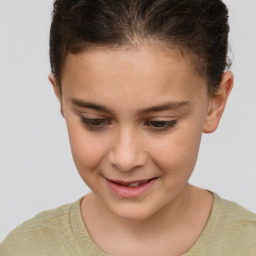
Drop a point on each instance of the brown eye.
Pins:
(161, 125)
(95, 123)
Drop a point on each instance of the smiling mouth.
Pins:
(131, 189)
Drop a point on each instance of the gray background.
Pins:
(36, 167)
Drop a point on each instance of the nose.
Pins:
(127, 152)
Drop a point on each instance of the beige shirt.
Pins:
(230, 231)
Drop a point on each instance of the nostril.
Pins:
(124, 160)
(127, 154)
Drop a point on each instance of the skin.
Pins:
(126, 144)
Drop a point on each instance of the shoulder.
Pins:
(236, 229)
(37, 235)
(234, 214)
(236, 211)
(230, 231)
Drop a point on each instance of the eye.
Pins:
(95, 123)
(161, 125)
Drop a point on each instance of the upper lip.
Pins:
(132, 181)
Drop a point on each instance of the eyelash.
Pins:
(96, 124)
(161, 126)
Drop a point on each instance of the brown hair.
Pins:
(197, 27)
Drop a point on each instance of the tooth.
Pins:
(134, 185)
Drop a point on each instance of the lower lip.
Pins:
(130, 192)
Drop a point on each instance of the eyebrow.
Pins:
(157, 108)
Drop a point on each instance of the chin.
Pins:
(132, 212)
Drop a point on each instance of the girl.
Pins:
(138, 82)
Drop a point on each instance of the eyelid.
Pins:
(168, 125)
(90, 115)
(88, 123)
(99, 123)
(95, 118)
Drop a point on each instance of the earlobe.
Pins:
(55, 86)
(218, 102)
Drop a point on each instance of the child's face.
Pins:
(132, 116)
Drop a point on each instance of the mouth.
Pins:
(130, 189)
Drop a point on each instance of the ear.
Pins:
(56, 89)
(218, 102)
(55, 86)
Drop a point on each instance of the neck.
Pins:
(177, 225)
(171, 215)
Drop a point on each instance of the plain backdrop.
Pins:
(36, 166)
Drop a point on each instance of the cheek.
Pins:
(177, 155)
(86, 150)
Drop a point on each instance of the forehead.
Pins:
(128, 73)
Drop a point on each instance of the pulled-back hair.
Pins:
(198, 28)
